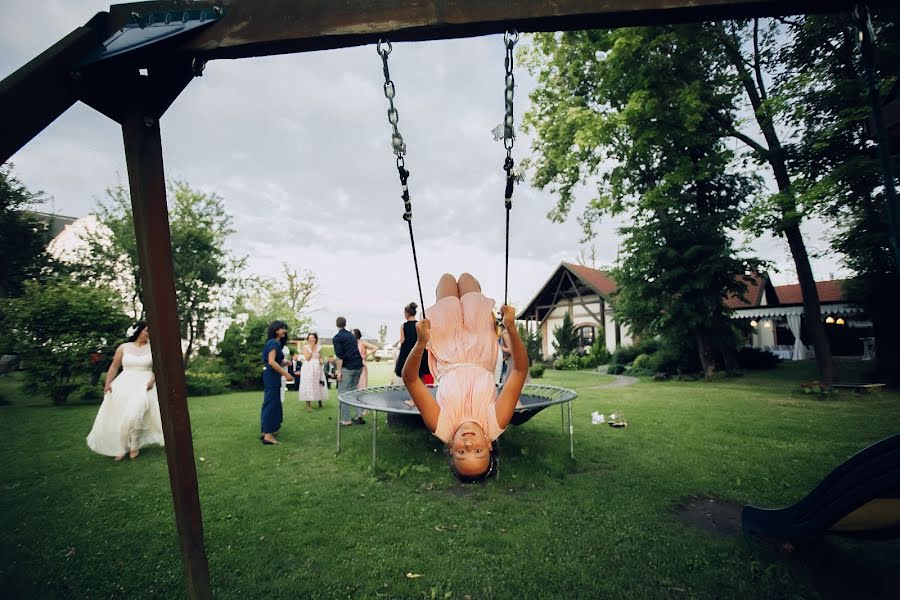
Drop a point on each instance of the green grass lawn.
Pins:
(295, 521)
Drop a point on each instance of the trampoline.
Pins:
(390, 399)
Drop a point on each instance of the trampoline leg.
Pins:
(374, 435)
(571, 432)
(338, 451)
(562, 414)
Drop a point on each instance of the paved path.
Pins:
(620, 381)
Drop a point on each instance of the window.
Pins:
(585, 335)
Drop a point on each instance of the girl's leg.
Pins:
(446, 287)
(467, 284)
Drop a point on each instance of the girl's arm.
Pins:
(421, 397)
(278, 368)
(113, 369)
(512, 389)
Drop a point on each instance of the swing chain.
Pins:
(509, 40)
(384, 48)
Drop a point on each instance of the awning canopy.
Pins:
(764, 312)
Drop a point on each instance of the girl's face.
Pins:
(470, 449)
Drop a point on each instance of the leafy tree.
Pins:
(23, 237)
(751, 54)
(206, 275)
(533, 343)
(566, 340)
(840, 171)
(241, 351)
(632, 108)
(57, 328)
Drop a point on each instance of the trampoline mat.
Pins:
(390, 398)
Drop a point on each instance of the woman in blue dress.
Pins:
(272, 356)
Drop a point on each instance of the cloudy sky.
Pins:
(298, 147)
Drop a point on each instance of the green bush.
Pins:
(570, 362)
(598, 349)
(536, 370)
(205, 384)
(206, 376)
(624, 355)
(642, 362)
(754, 358)
(587, 362)
(87, 393)
(57, 327)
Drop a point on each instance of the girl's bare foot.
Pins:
(134, 454)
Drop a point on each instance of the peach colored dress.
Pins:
(462, 355)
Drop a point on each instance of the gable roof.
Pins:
(593, 280)
(599, 281)
(829, 291)
(756, 283)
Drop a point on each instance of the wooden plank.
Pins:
(265, 27)
(36, 94)
(143, 153)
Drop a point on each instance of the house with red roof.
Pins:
(776, 319)
(584, 293)
(772, 315)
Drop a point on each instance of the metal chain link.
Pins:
(384, 48)
(509, 136)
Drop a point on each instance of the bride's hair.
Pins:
(136, 329)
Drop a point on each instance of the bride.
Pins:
(129, 416)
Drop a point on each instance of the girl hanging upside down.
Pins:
(461, 337)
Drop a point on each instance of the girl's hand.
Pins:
(423, 330)
(508, 314)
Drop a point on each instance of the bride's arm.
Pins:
(113, 370)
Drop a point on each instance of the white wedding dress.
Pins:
(129, 416)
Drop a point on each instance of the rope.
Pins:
(412, 241)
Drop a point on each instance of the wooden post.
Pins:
(143, 153)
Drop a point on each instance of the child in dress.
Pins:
(467, 413)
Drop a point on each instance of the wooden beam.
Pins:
(36, 94)
(582, 302)
(143, 153)
(265, 27)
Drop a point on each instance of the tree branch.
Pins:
(757, 60)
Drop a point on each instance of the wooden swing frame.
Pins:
(135, 87)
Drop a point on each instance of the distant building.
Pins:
(584, 293)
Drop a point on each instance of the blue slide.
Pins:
(859, 499)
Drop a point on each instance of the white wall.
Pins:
(580, 316)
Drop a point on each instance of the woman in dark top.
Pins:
(408, 339)
(272, 356)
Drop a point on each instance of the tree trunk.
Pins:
(790, 224)
(704, 351)
(811, 307)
